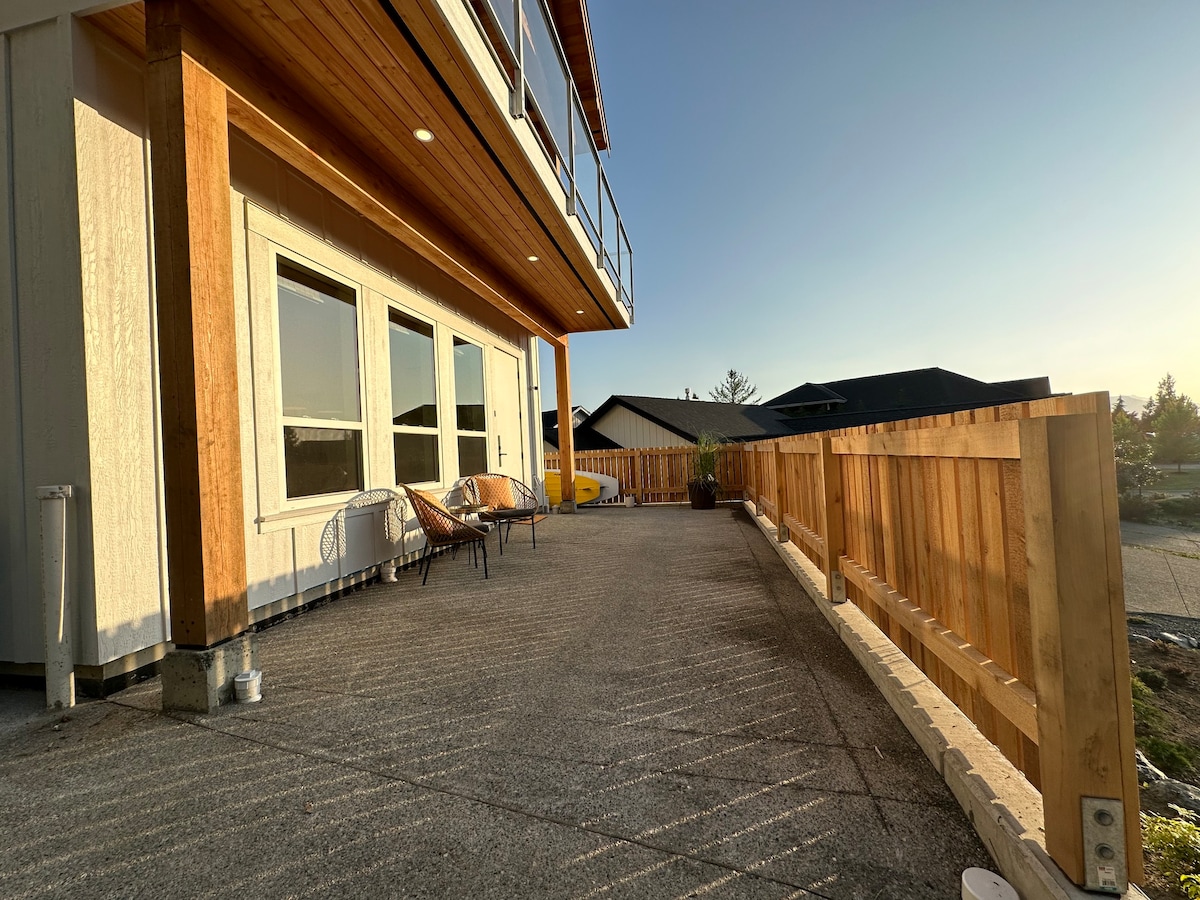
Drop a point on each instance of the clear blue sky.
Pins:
(816, 191)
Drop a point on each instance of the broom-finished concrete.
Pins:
(645, 706)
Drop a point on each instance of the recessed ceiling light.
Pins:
(424, 135)
(580, 311)
(532, 258)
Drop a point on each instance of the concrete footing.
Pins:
(201, 680)
(567, 506)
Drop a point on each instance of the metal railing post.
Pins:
(516, 106)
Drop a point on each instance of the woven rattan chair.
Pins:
(442, 529)
(507, 501)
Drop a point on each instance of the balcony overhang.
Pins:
(338, 88)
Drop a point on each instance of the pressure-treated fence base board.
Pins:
(1004, 808)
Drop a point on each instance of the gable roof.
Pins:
(911, 390)
(690, 418)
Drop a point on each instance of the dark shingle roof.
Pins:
(919, 388)
(691, 418)
(585, 438)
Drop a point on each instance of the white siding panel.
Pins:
(629, 429)
(111, 160)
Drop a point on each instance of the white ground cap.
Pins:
(247, 685)
(980, 884)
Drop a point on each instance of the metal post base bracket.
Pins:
(1104, 846)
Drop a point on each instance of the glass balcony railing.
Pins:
(525, 45)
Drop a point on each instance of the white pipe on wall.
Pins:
(57, 607)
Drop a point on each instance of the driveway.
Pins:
(1162, 569)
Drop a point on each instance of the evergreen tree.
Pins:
(1174, 420)
(1135, 468)
(736, 388)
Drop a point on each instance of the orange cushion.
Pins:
(497, 493)
(433, 501)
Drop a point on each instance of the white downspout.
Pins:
(57, 606)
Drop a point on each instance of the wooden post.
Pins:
(1081, 652)
(206, 549)
(566, 434)
(781, 530)
(638, 478)
(835, 532)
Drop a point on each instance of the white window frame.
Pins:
(486, 434)
(278, 253)
(439, 430)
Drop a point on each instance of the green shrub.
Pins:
(1152, 678)
(1177, 760)
(1136, 508)
(1173, 847)
(1188, 505)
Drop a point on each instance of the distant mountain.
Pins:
(1133, 404)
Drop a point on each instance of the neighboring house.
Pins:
(334, 283)
(896, 395)
(585, 438)
(663, 422)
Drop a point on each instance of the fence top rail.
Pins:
(986, 440)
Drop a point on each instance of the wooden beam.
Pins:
(566, 434)
(193, 254)
(1081, 687)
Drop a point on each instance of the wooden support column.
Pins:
(835, 532)
(566, 434)
(1080, 645)
(193, 255)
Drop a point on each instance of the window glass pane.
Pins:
(416, 458)
(414, 398)
(322, 460)
(472, 456)
(468, 387)
(318, 346)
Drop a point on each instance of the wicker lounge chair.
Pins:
(507, 501)
(443, 529)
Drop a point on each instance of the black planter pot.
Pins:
(701, 495)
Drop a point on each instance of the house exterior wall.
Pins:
(78, 336)
(629, 429)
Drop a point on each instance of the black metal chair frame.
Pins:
(526, 508)
(443, 529)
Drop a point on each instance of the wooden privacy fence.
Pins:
(658, 474)
(986, 545)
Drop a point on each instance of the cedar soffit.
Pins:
(364, 80)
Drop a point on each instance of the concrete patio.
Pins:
(647, 705)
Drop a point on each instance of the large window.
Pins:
(319, 373)
(472, 418)
(414, 399)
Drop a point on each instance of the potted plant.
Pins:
(704, 486)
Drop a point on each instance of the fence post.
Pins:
(638, 479)
(835, 533)
(781, 530)
(1081, 655)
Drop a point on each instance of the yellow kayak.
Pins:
(587, 489)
